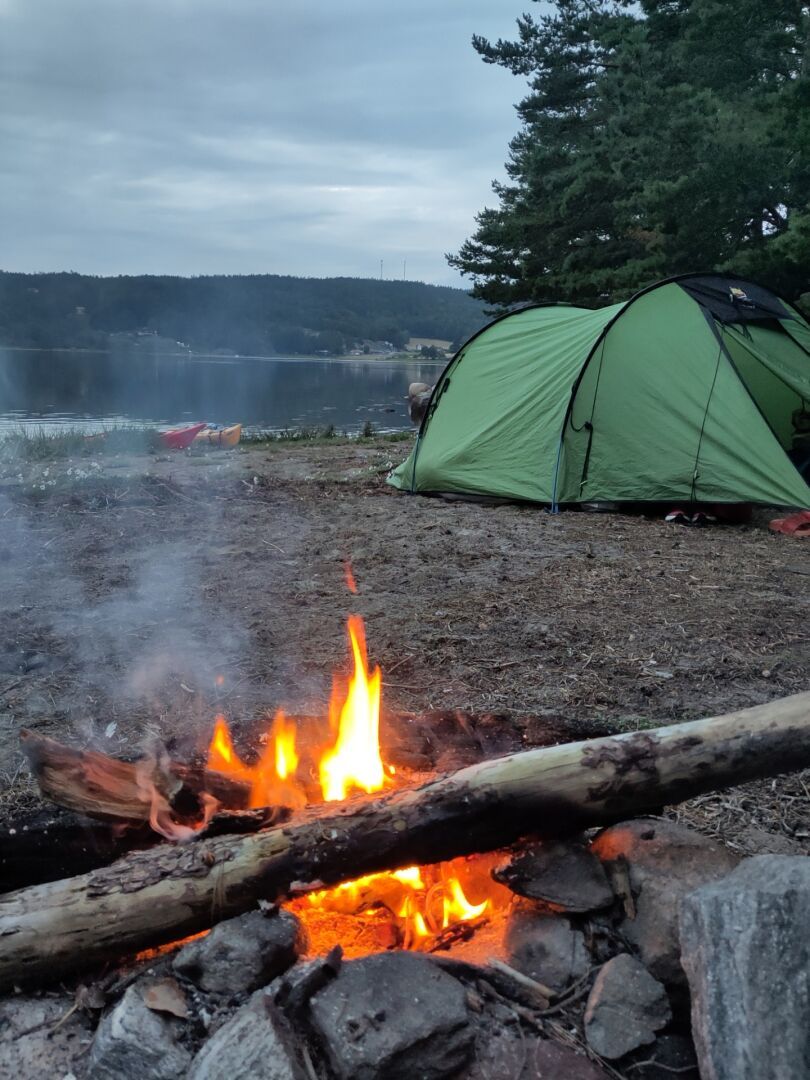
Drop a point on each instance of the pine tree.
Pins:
(657, 138)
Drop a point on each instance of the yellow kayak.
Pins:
(227, 436)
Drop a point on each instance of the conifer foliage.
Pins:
(657, 137)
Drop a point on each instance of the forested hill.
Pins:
(252, 314)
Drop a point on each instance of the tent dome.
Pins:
(696, 389)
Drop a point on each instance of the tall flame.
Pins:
(354, 762)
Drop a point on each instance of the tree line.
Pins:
(658, 137)
(259, 314)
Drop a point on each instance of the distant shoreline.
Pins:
(397, 358)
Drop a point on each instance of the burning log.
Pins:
(90, 782)
(157, 896)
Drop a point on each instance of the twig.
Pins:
(399, 663)
(660, 1065)
(522, 980)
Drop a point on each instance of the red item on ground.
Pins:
(795, 525)
(180, 438)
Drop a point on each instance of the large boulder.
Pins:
(661, 862)
(626, 1007)
(240, 955)
(745, 947)
(393, 1016)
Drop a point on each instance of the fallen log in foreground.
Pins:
(157, 896)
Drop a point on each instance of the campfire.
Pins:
(414, 907)
(388, 916)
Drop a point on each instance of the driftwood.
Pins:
(157, 896)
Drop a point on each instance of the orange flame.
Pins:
(354, 762)
(284, 738)
(272, 778)
(222, 756)
(456, 906)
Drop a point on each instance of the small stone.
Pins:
(663, 862)
(393, 1016)
(134, 1042)
(242, 954)
(546, 948)
(626, 1006)
(746, 952)
(250, 1044)
(566, 874)
(510, 1055)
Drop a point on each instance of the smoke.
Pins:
(134, 638)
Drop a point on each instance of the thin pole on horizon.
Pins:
(381, 266)
(404, 264)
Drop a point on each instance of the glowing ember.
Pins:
(421, 901)
(351, 584)
(355, 762)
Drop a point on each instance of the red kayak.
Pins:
(180, 438)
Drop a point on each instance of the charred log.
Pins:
(52, 843)
(92, 783)
(152, 897)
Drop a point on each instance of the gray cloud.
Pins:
(281, 136)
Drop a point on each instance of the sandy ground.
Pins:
(128, 585)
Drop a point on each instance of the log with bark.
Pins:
(157, 896)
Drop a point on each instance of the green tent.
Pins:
(696, 389)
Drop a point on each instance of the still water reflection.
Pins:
(44, 388)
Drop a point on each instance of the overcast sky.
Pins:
(311, 137)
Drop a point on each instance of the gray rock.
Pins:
(626, 1006)
(546, 948)
(393, 1016)
(32, 1045)
(512, 1055)
(133, 1041)
(746, 951)
(662, 862)
(566, 874)
(243, 954)
(250, 1044)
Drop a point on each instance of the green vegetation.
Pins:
(42, 445)
(323, 435)
(247, 315)
(45, 445)
(658, 137)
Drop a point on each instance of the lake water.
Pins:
(52, 389)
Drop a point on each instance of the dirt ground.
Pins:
(142, 595)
